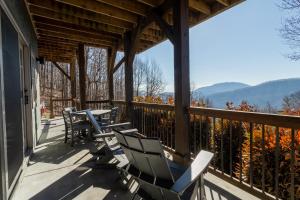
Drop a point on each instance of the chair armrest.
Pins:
(197, 167)
(129, 131)
(104, 135)
(126, 124)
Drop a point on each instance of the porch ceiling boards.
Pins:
(62, 24)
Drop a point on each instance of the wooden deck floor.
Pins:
(58, 171)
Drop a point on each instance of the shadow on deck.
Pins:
(58, 171)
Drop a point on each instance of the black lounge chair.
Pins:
(158, 177)
(111, 148)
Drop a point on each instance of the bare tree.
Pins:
(291, 27)
(291, 102)
(119, 81)
(154, 81)
(139, 69)
(269, 108)
(192, 88)
(97, 87)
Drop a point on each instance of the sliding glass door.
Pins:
(12, 96)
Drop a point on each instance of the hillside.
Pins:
(218, 88)
(272, 92)
(209, 90)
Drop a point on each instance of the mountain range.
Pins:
(271, 92)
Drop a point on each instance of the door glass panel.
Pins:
(12, 92)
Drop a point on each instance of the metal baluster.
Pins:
(150, 122)
(222, 146)
(230, 148)
(194, 134)
(293, 165)
(143, 121)
(200, 133)
(251, 153)
(141, 118)
(263, 158)
(207, 133)
(172, 128)
(156, 122)
(162, 129)
(214, 142)
(240, 149)
(277, 154)
(167, 128)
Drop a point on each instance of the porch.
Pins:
(58, 171)
(250, 158)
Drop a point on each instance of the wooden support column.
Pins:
(51, 93)
(182, 78)
(111, 56)
(129, 55)
(82, 75)
(73, 81)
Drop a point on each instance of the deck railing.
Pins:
(102, 104)
(155, 120)
(57, 105)
(256, 151)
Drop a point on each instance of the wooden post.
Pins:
(111, 56)
(82, 75)
(51, 93)
(73, 81)
(129, 54)
(182, 78)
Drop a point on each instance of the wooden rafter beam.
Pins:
(101, 8)
(51, 39)
(167, 29)
(77, 37)
(200, 6)
(55, 54)
(118, 65)
(57, 59)
(73, 31)
(130, 6)
(51, 17)
(55, 44)
(61, 70)
(142, 24)
(80, 13)
(48, 24)
(152, 3)
(59, 41)
(56, 51)
(224, 2)
(49, 48)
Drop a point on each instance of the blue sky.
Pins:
(241, 44)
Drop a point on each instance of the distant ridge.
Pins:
(269, 92)
(218, 88)
(209, 90)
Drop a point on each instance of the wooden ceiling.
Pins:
(62, 24)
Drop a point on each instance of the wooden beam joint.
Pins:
(61, 70)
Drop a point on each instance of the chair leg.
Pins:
(72, 138)
(66, 134)
(202, 188)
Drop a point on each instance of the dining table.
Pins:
(96, 113)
